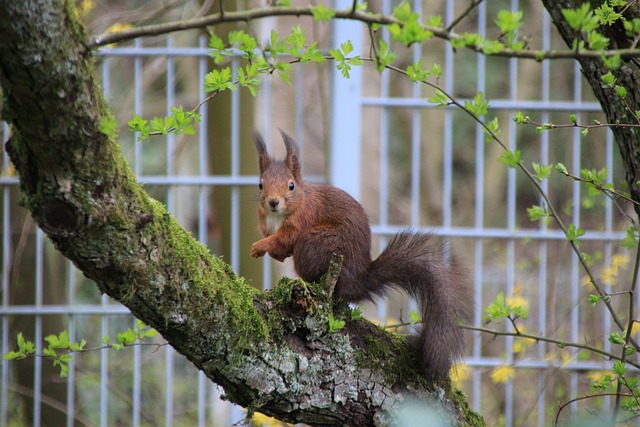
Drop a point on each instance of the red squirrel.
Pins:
(311, 222)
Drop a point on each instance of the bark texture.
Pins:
(628, 75)
(269, 351)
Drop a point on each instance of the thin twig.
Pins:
(577, 399)
(463, 15)
(559, 343)
(627, 338)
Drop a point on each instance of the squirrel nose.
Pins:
(274, 202)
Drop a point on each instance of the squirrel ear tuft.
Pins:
(292, 160)
(263, 156)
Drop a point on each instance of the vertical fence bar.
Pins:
(479, 193)
(203, 204)
(415, 137)
(6, 266)
(575, 266)
(344, 151)
(37, 387)
(542, 272)
(137, 88)
(71, 378)
(267, 263)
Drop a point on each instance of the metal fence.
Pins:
(409, 162)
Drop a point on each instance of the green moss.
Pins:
(471, 417)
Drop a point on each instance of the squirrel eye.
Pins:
(260, 185)
(291, 185)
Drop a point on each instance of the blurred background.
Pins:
(410, 164)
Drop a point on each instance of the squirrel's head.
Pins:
(280, 186)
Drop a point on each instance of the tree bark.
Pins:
(270, 352)
(628, 75)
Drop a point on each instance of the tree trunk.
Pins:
(270, 352)
(628, 75)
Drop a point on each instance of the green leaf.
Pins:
(384, 56)
(621, 91)
(606, 14)
(593, 300)
(560, 167)
(127, 337)
(13, 355)
(542, 171)
(78, 346)
(478, 106)
(414, 317)
(321, 13)
(417, 72)
(335, 324)
(217, 49)
(632, 238)
(218, 80)
(356, 313)
(616, 338)
(491, 47)
(493, 128)
(537, 213)
(59, 341)
(409, 30)
(597, 41)
(619, 368)
(608, 79)
(435, 21)
(613, 62)
(439, 98)
(511, 158)
(581, 19)
(498, 308)
(404, 13)
(243, 42)
(509, 22)
(521, 119)
(108, 125)
(574, 233)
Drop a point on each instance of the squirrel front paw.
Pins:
(258, 249)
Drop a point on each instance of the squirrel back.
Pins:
(311, 222)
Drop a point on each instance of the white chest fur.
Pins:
(274, 221)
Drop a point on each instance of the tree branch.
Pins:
(364, 17)
(82, 193)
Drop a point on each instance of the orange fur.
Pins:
(311, 222)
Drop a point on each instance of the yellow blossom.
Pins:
(265, 421)
(609, 275)
(502, 374)
(118, 26)
(520, 345)
(620, 261)
(86, 6)
(517, 301)
(459, 373)
(566, 359)
(586, 280)
(595, 376)
(635, 329)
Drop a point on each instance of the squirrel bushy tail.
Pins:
(417, 264)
